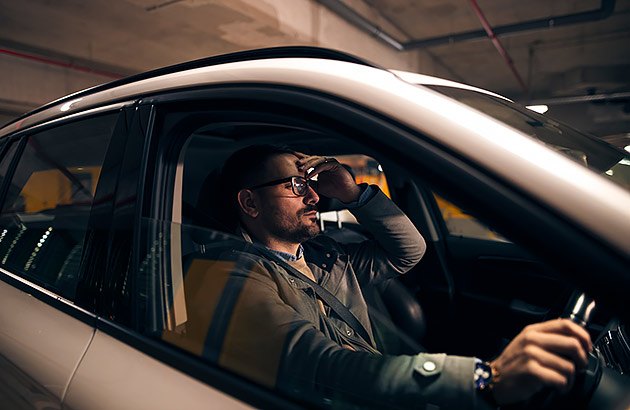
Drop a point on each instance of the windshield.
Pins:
(589, 151)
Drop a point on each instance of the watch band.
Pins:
(483, 378)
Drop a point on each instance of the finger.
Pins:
(568, 328)
(560, 365)
(317, 165)
(548, 376)
(303, 157)
(312, 161)
(319, 168)
(305, 163)
(567, 346)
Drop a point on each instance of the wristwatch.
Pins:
(483, 379)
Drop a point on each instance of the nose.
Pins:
(311, 197)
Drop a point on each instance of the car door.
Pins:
(147, 304)
(50, 174)
(121, 369)
(494, 286)
(192, 134)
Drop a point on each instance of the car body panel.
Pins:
(113, 375)
(415, 78)
(20, 392)
(43, 341)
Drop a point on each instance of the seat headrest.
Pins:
(211, 209)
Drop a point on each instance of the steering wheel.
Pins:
(596, 387)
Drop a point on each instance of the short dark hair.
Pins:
(240, 171)
(243, 166)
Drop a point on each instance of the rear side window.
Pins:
(463, 225)
(46, 211)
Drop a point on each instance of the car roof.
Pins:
(247, 55)
(423, 79)
(31, 118)
(551, 177)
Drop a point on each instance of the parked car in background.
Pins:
(106, 193)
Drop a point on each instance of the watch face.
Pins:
(482, 376)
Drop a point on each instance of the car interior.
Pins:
(428, 308)
(472, 292)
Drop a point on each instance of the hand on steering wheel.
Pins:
(543, 354)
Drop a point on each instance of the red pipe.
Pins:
(498, 45)
(61, 64)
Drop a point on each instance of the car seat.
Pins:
(397, 318)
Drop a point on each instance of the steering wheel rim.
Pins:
(596, 386)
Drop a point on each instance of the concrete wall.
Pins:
(26, 84)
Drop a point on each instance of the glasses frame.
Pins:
(308, 183)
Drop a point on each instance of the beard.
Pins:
(298, 231)
(300, 234)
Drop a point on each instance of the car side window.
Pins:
(45, 214)
(194, 276)
(462, 224)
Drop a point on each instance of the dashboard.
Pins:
(614, 348)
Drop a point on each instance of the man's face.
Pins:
(283, 214)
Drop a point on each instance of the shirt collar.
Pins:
(288, 257)
(285, 256)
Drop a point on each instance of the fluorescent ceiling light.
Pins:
(538, 108)
(68, 105)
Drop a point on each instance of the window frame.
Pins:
(73, 308)
(461, 178)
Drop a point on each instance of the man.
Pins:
(279, 328)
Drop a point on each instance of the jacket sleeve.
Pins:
(397, 244)
(252, 329)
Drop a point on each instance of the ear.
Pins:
(247, 203)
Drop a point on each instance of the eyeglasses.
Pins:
(298, 184)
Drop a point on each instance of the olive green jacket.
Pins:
(249, 314)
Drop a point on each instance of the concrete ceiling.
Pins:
(581, 70)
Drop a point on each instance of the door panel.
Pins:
(49, 193)
(40, 340)
(498, 288)
(114, 375)
(18, 391)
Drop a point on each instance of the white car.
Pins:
(104, 197)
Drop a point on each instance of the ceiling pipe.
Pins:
(337, 6)
(61, 64)
(579, 99)
(498, 45)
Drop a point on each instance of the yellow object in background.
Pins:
(50, 188)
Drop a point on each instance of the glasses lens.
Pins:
(300, 186)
